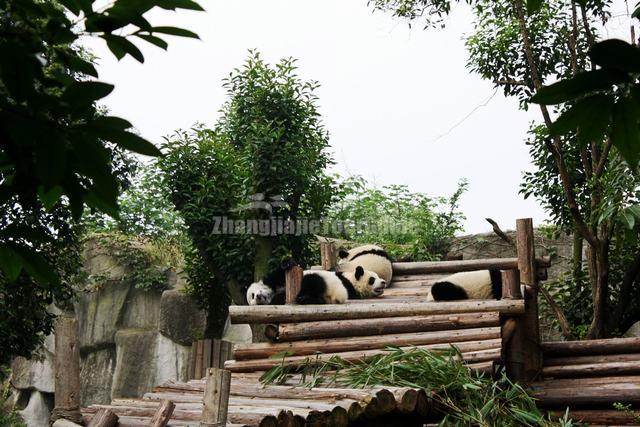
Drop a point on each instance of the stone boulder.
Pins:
(135, 362)
(96, 376)
(180, 319)
(37, 411)
(633, 331)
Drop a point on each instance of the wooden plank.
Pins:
(198, 368)
(578, 360)
(163, 414)
(591, 347)
(328, 258)
(392, 325)
(587, 395)
(527, 336)
(299, 348)
(293, 282)
(599, 416)
(592, 370)
(308, 313)
(67, 371)
(216, 398)
(104, 418)
(429, 267)
(266, 364)
(207, 352)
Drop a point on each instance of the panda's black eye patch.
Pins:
(253, 296)
(371, 280)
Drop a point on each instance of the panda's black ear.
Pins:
(359, 272)
(343, 253)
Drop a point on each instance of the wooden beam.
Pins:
(293, 282)
(104, 418)
(300, 348)
(309, 313)
(527, 337)
(287, 332)
(67, 371)
(216, 398)
(585, 360)
(591, 347)
(431, 267)
(328, 258)
(163, 414)
(592, 369)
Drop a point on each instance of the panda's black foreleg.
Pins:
(312, 290)
(447, 291)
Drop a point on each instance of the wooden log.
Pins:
(598, 416)
(299, 348)
(527, 336)
(67, 371)
(199, 369)
(104, 418)
(207, 349)
(192, 360)
(511, 284)
(580, 360)
(550, 383)
(163, 414)
(221, 352)
(587, 396)
(293, 282)
(309, 313)
(513, 329)
(591, 347)
(328, 258)
(437, 267)
(508, 329)
(592, 370)
(266, 364)
(363, 327)
(216, 398)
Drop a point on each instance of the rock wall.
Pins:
(130, 341)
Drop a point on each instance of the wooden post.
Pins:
(328, 255)
(222, 351)
(511, 284)
(529, 337)
(293, 281)
(216, 398)
(67, 371)
(512, 328)
(104, 418)
(163, 414)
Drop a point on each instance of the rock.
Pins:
(172, 361)
(96, 375)
(38, 410)
(180, 318)
(633, 331)
(34, 374)
(141, 310)
(98, 314)
(238, 334)
(98, 262)
(135, 362)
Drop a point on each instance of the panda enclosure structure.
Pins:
(587, 376)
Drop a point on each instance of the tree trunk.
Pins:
(597, 329)
(577, 257)
(264, 247)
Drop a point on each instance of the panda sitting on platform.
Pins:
(481, 284)
(318, 287)
(370, 257)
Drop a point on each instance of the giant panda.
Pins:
(481, 284)
(334, 287)
(271, 288)
(370, 257)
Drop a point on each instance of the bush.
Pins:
(411, 226)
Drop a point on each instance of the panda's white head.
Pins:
(259, 294)
(367, 283)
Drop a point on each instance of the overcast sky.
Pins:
(399, 103)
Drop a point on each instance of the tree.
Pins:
(263, 164)
(522, 49)
(59, 153)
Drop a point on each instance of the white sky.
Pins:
(390, 96)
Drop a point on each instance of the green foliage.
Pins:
(8, 416)
(147, 261)
(409, 225)
(465, 396)
(145, 209)
(610, 94)
(53, 138)
(627, 409)
(265, 159)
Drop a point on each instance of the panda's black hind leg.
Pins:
(447, 291)
(312, 290)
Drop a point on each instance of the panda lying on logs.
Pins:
(370, 257)
(318, 287)
(481, 284)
